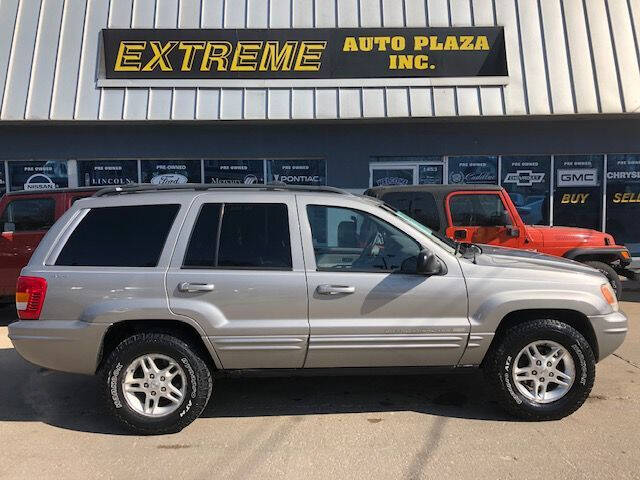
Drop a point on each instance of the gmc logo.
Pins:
(587, 177)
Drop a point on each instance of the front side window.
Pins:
(345, 239)
(419, 205)
(131, 236)
(478, 210)
(238, 235)
(30, 214)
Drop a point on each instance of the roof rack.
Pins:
(275, 186)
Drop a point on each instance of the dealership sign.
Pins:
(201, 56)
(578, 177)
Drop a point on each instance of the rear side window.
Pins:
(478, 210)
(30, 214)
(131, 236)
(240, 235)
(420, 206)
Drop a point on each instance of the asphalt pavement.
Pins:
(52, 425)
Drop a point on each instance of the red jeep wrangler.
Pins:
(25, 216)
(486, 214)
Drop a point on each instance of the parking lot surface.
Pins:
(52, 425)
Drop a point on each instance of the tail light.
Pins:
(30, 293)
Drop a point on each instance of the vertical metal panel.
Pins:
(397, 102)
(326, 103)
(438, 12)
(415, 13)
(234, 13)
(370, 14)
(606, 74)
(279, 103)
(44, 60)
(88, 96)
(621, 23)
(15, 98)
(392, 13)
(208, 107)
(491, 101)
(303, 13)
(460, 13)
(161, 99)
(231, 104)
(112, 99)
(136, 100)
(421, 102)
(8, 14)
(483, 13)
(533, 57)
(184, 99)
(444, 102)
(373, 102)
(212, 13)
(280, 11)
(302, 105)
(557, 60)
(347, 13)
(255, 103)
(350, 103)
(326, 13)
(467, 98)
(258, 13)
(580, 57)
(514, 92)
(68, 61)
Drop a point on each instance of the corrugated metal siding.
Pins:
(565, 56)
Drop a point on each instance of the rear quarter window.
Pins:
(128, 236)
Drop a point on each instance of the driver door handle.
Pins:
(195, 287)
(335, 289)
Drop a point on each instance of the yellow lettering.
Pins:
(245, 58)
(393, 62)
(419, 42)
(398, 43)
(350, 45)
(482, 43)
(189, 49)
(275, 58)
(422, 62)
(405, 62)
(451, 43)
(565, 198)
(160, 58)
(309, 56)
(218, 53)
(129, 55)
(365, 44)
(382, 43)
(626, 197)
(434, 44)
(467, 41)
(617, 197)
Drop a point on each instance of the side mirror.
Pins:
(513, 231)
(428, 263)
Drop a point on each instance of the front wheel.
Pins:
(155, 383)
(610, 273)
(541, 370)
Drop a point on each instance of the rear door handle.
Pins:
(334, 289)
(195, 287)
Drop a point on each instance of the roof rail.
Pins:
(275, 186)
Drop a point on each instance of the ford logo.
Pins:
(167, 178)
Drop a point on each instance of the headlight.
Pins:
(609, 296)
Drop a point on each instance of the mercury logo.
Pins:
(524, 178)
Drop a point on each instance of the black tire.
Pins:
(198, 384)
(500, 363)
(610, 273)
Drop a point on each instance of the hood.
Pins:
(569, 236)
(529, 260)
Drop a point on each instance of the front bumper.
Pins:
(68, 346)
(611, 330)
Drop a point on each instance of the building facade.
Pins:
(539, 96)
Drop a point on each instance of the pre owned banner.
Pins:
(293, 53)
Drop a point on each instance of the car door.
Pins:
(482, 217)
(238, 271)
(24, 222)
(362, 310)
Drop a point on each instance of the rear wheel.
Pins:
(610, 273)
(541, 370)
(155, 383)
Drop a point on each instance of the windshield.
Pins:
(443, 242)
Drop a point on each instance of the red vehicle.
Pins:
(485, 214)
(25, 217)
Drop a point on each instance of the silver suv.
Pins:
(158, 288)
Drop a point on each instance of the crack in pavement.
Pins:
(625, 360)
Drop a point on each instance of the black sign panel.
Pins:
(382, 177)
(3, 181)
(234, 171)
(430, 174)
(577, 198)
(623, 200)
(162, 172)
(41, 175)
(304, 53)
(527, 179)
(103, 173)
(297, 172)
(473, 170)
